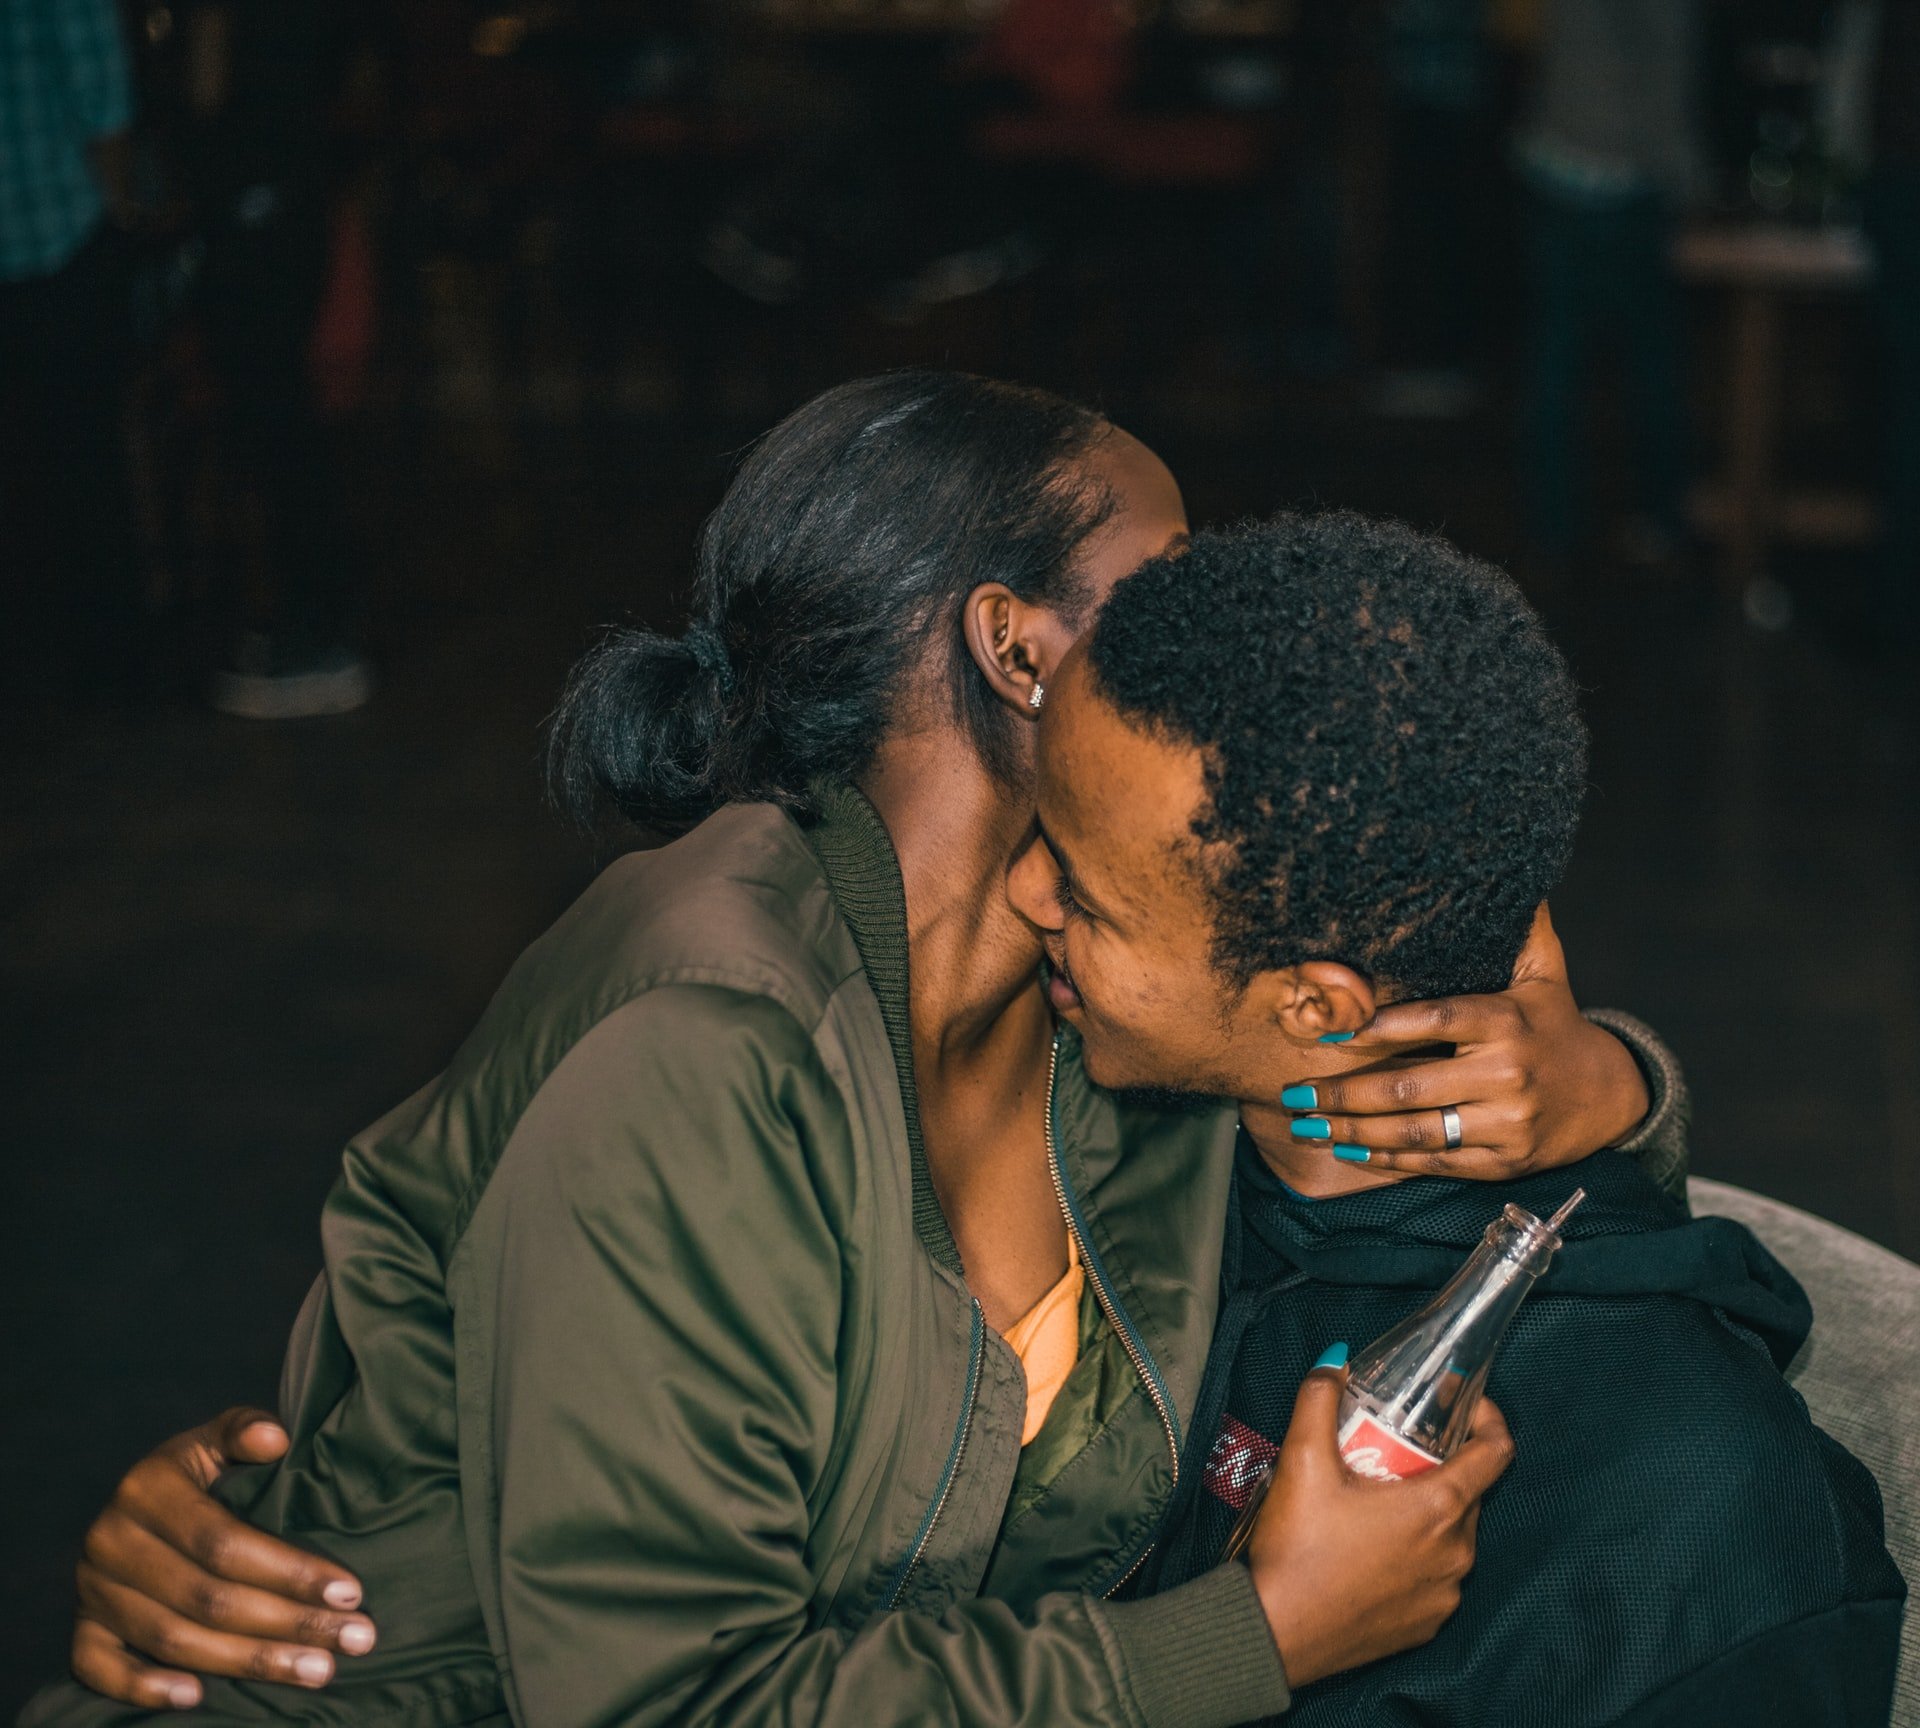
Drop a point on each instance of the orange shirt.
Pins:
(1047, 1340)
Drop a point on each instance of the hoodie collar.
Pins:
(1627, 1239)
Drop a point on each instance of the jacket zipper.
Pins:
(1123, 1328)
(925, 1533)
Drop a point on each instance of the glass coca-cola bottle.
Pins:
(1411, 1393)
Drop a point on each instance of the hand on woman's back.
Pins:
(171, 1581)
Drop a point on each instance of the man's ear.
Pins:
(1318, 1001)
(1004, 636)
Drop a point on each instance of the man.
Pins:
(1299, 772)
(66, 535)
(1893, 221)
(1609, 155)
(264, 79)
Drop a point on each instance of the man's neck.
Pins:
(1308, 1167)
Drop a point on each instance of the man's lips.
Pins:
(1060, 991)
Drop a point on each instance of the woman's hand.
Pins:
(170, 1580)
(1534, 1082)
(1350, 1570)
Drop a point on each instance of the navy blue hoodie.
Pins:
(1675, 1542)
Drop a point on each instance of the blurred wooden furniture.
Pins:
(1763, 265)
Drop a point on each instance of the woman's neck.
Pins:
(955, 829)
(981, 1030)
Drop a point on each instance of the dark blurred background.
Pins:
(374, 357)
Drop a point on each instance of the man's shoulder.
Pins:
(1670, 1398)
(1656, 1363)
(1670, 1486)
(1670, 1500)
(1671, 1512)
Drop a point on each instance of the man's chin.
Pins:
(1165, 1098)
(1130, 1087)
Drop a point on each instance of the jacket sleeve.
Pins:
(1659, 1143)
(665, 1245)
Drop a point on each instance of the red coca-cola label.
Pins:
(1370, 1450)
(1239, 1460)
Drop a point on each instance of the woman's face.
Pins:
(1147, 518)
(1017, 644)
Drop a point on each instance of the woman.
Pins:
(763, 1317)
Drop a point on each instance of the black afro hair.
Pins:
(1394, 753)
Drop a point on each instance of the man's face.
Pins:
(1115, 885)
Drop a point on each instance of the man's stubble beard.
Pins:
(1171, 1099)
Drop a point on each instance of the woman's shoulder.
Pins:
(680, 971)
(739, 902)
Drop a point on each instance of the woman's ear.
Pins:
(1320, 1001)
(1004, 637)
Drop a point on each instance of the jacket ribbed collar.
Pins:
(863, 874)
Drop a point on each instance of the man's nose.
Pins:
(1033, 887)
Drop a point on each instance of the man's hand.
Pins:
(1350, 1570)
(172, 1581)
(1534, 1082)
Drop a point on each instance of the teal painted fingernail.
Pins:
(1352, 1154)
(1335, 1037)
(1334, 1356)
(1312, 1128)
(1299, 1098)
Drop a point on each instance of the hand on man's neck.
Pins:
(1301, 1043)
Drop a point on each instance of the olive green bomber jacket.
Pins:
(642, 1385)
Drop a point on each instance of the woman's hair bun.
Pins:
(710, 654)
(837, 563)
(637, 725)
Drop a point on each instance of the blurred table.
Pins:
(1762, 266)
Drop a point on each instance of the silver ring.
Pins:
(1450, 1128)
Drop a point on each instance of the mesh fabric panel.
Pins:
(1670, 1499)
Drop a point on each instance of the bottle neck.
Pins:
(1495, 1280)
(1473, 1313)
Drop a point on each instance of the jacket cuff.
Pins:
(1199, 1656)
(1659, 1143)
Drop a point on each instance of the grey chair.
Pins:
(1859, 1371)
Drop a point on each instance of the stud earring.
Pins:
(1037, 696)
